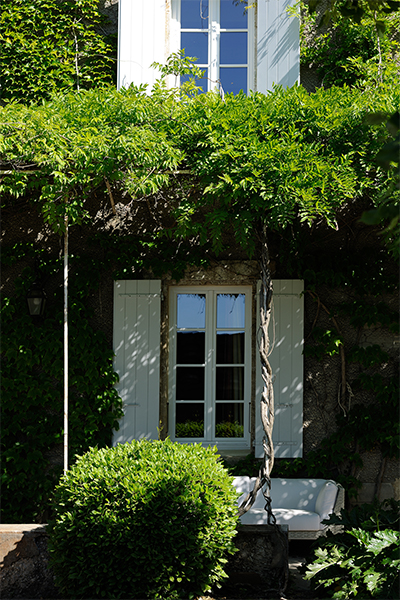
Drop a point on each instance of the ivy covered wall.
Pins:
(156, 184)
(351, 340)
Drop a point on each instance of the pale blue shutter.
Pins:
(286, 359)
(141, 40)
(278, 45)
(137, 307)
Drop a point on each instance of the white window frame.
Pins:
(210, 370)
(215, 30)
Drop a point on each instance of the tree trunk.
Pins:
(267, 397)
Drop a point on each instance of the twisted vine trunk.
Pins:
(267, 397)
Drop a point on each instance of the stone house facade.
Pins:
(186, 351)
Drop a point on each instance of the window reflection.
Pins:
(229, 420)
(194, 14)
(190, 347)
(189, 420)
(233, 48)
(209, 363)
(230, 348)
(195, 44)
(191, 311)
(230, 31)
(230, 311)
(230, 383)
(233, 16)
(190, 383)
(233, 79)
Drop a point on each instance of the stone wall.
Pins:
(24, 563)
(261, 560)
(22, 223)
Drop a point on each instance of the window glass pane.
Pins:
(190, 347)
(191, 311)
(202, 83)
(233, 79)
(229, 420)
(230, 310)
(189, 420)
(194, 14)
(230, 383)
(195, 44)
(190, 383)
(233, 48)
(230, 348)
(233, 16)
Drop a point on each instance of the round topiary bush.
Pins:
(143, 520)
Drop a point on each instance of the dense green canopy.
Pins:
(276, 158)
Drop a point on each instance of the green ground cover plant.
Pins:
(363, 560)
(143, 520)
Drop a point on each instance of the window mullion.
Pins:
(251, 50)
(247, 361)
(209, 399)
(214, 35)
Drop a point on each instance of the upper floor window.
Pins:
(220, 34)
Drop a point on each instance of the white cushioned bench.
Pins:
(302, 504)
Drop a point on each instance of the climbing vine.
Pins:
(211, 174)
(368, 385)
(32, 394)
(49, 47)
(32, 364)
(349, 52)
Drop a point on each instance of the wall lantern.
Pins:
(36, 299)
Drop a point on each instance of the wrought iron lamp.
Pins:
(36, 298)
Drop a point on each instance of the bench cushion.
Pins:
(297, 520)
(301, 494)
(326, 499)
(302, 504)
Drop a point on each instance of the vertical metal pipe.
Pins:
(66, 346)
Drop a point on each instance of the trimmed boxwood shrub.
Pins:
(143, 520)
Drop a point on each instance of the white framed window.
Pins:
(221, 35)
(210, 365)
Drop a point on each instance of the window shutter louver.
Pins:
(137, 306)
(286, 359)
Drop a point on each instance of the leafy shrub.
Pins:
(146, 519)
(363, 560)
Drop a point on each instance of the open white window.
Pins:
(220, 34)
(246, 49)
(210, 365)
